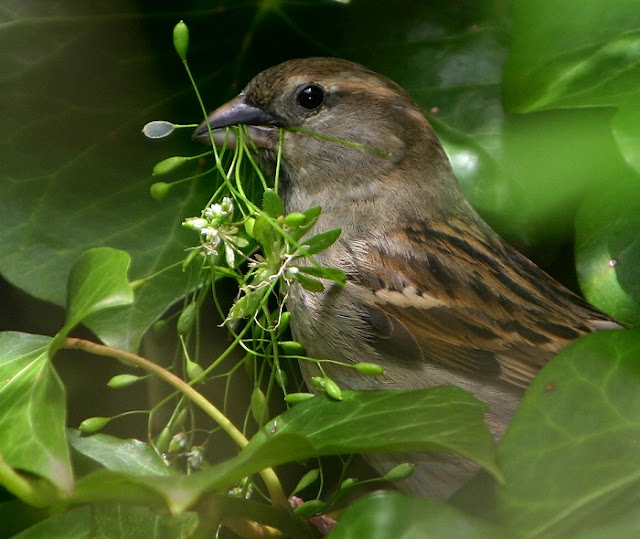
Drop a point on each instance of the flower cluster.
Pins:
(219, 232)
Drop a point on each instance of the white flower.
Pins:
(195, 223)
(211, 234)
(212, 212)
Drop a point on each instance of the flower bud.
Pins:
(309, 508)
(187, 319)
(295, 219)
(371, 369)
(93, 424)
(194, 370)
(159, 190)
(291, 348)
(332, 389)
(401, 471)
(259, 406)
(169, 165)
(295, 398)
(181, 39)
(178, 443)
(123, 380)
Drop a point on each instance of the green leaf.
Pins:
(97, 281)
(307, 479)
(570, 457)
(113, 520)
(319, 242)
(248, 304)
(386, 514)
(563, 56)
(272, 204)
(309, 283)
(265, 235)
(608, 252)
(324, 272)
(626, 130)
(128, 456)
(438, 419)
(32, 411)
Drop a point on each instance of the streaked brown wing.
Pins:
(469, 302)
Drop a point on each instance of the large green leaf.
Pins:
(121, 521)
(608, 251)
(32, 411)
(570, 457)
(385, 514)
(565, 55)
(439, 419)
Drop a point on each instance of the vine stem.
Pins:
(268, 475)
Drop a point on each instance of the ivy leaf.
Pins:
(438, 419)
(97, 281)
(592, 61)
(32, 412)
(394, 514)
(608, 252)
(570, 456)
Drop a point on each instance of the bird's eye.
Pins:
(310, 96)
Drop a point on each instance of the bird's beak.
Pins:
(261, 126)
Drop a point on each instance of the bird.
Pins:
(433, 293)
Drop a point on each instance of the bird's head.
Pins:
(345, 127)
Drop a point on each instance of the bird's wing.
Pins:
(466, 300)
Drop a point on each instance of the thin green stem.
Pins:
(268, 475)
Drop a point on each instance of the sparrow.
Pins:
(433, 294)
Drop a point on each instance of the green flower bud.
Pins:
(123, 380)
(309, 508)
(372, 369)
(194, 370)
(348, 483)
(401, 471)
(283, 324)
(162, 441)
(318, 382)
(169, 165)
(291, 348)
(160, 327)
(181, 39)
(332, 389)
(295, 219)
(281, 378)
(159, 190)
(259, 406)
(178, 443)
(93, 424)
(295, 398)
(187, 319)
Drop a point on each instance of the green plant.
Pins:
(569, 461)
